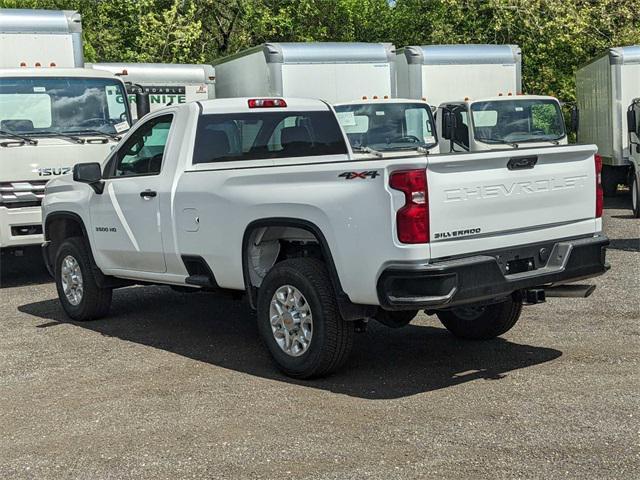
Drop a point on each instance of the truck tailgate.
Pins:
(484, 201)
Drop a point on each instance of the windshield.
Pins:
(390, 126)
(517, 120)
(71, 105)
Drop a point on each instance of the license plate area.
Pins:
(519, 265)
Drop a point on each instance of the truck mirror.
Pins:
(142, 104)
(448, 124)
(89, 173)
(575, 123)
(631, 120)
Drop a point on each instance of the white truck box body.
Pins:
(604, 90)
(40, 36)
(439, 73)
(165, 83)
(333, 71)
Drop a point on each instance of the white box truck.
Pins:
(166, 83)
(53, 114)
(478, 89)
(605, 90)
(333, 71)
(359, 79)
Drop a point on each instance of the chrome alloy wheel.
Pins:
(291, 320)
(71, 277)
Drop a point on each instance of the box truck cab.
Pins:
(53, 114)
(500, 122)
(605, 91)
(478, 91)
(388, 126)
(166, 83)
(359, 79)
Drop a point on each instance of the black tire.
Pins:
(609, 180)
(95, 301)
(398, 319)
(331, 337)
(490, 321)
(635, 196)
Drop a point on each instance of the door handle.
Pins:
(147, 194)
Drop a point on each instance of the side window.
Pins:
(142, 153)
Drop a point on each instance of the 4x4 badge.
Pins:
(362, 175)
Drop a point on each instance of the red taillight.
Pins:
(597, 160)
(266, 102)
(412, 220)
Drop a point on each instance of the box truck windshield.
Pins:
(388, 126)
(517, 121)
(40, 106)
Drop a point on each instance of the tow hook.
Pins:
(534, 296)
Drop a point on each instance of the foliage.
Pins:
(556, 36)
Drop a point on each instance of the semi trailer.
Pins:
(605, 91)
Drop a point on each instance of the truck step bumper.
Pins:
(491, 275)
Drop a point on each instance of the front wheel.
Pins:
(81, 297)
(299, 320)
(635, 196)
(482, 322)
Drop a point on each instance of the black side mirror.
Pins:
(631, 120)
(89, 173)
(575, 119)
(143, 106)
(448, 124)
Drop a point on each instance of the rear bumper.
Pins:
(486, 276)
(20, 226)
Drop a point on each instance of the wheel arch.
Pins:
(298, 223)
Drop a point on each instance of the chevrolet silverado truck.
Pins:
(265, 196)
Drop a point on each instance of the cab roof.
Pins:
(499, 98)
(241, 104)
(381, 101)
(55, 72)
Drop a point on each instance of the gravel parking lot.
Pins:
(178, 386)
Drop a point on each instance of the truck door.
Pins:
(126, 217)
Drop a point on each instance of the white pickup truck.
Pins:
(265, 196)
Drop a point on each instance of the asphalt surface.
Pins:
(178, 386)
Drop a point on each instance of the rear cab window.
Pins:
(267, 135)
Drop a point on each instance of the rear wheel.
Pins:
(482, 322)
(397, 319)
(299, 320)
(635, 196)
(79, 293)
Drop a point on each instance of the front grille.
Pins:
(22, 193)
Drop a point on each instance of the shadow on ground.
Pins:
(384, 364)
(25, 269)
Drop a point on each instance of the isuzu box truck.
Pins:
(478, 89)
(359, 79)
(605, 90)
(53, 113)
(166, 83)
